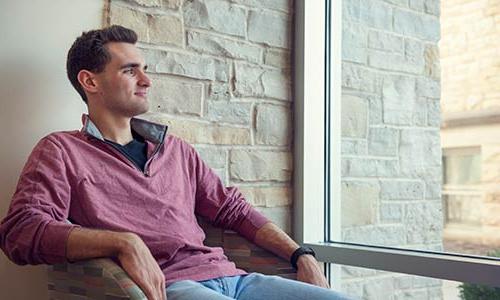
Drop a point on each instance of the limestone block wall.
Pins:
(469, 55)
(391, 154)
(221, 80)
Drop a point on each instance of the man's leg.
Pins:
(192, 290)
(258, 286)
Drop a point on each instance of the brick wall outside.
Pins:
(221, 81)
(391, 155)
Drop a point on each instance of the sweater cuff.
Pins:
(252, 223)
(54, 241)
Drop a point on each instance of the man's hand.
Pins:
(140, 265)
(309, 271)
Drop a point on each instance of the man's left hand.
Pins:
(309, 271)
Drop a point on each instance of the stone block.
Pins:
(401, 190)
(214, 157)
(359, 78)
(393, 62)
(255, 81)
(219, 91)
(432, 65)
(432, 7)
(376, 14)
(384, 41)
(424, 222)
(268, 196)
(399, 99)
(420, 112)
(351, 10)
(230, 112)
(202, 133)
(273, 125)
(401, 3)
(391, 213)
(260, 165)
(270, 28)
(207, 43)
(386, 235)
(172, 4)
(281, 5)
(165, 29)
(354, 117)
(193, 66)
(129, 18)
(367, 167)
(216, 15)
(355, 272)
(420, 153)
(281, 216)
(379, 288)
(354, 146)
(433, 113)
(176, 96)
(376, 115)
(359, 202)
(416, 25)
(278, 58)
(433, 189)
(354, 42)
(148, 3)
(427, 87)
(383, 141)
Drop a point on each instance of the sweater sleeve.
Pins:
(35, 229)
(223, 206)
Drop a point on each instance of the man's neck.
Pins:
(113, 128)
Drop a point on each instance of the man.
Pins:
(131, 193)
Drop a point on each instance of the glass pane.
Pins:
(370, 284)
(420, 130)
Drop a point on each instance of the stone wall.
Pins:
(221, 81)
(391, 155)
(469, 55)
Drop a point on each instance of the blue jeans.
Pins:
(253, 286)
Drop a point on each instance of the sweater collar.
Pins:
(148, 130)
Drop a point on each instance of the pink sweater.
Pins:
(76, 176)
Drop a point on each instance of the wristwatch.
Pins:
(297, 253)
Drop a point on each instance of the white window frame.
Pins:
(309, 161)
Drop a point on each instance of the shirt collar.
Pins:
(148, 130)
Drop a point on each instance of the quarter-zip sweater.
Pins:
(77, 176)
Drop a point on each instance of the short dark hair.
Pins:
(88, 52)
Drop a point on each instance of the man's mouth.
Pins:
(141, 94)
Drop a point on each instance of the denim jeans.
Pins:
(253, 286)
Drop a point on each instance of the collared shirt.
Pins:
(77, 176)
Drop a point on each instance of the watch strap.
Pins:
(299, 252)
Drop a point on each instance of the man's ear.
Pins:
(88, 81)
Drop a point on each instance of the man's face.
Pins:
(123, 84)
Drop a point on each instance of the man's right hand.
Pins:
(142, 268)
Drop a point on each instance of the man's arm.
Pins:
(134, 256)
(272, 238)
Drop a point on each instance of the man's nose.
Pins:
(144, 81)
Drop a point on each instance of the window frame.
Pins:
(313, 120)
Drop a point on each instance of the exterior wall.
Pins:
(37, 99)
(391, 156)
(471, 87)
(469, 55)
(221, 80)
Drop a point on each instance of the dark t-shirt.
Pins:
(135, 151)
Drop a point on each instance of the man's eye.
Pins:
(129, 71)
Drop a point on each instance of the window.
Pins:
(325, 177)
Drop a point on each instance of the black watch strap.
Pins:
(297, 253)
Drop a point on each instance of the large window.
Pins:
(368, 160)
